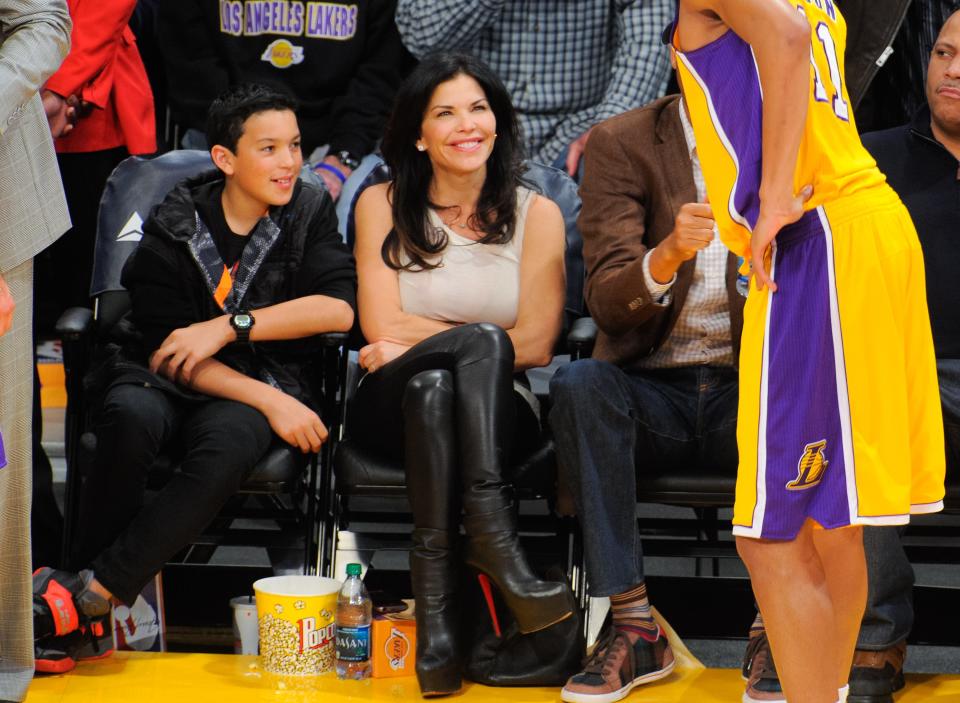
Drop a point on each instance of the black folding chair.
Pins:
(283, 491)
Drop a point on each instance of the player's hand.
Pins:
(7, 306)
(186, 347)
(374, 356)
(692, 231)
(772, 219)
(294, 422)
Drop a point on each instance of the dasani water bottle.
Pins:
(354, 613)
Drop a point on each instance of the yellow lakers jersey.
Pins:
(721, 86)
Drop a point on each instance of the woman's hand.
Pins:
(374, 356)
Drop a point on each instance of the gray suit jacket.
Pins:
(34, 40)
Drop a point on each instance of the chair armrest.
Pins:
(582, 336)
(333, 339)
(74, 323)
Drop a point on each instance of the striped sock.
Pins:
(631, 613)
(757, 625)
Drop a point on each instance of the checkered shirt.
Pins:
(568, 64)
(701, 335)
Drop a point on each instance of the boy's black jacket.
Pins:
(168, 289)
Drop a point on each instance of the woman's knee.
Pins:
(428, 391)
(486, 340)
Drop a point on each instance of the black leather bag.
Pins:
(544, 658)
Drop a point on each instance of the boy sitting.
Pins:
(237, 268)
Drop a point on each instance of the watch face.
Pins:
(242, 321)
(348, 159)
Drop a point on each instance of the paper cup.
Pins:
(245, 632)
(296, 622)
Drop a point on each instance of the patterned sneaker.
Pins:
(58, 655)
(616, 667)
(760, 673)
(876, 676)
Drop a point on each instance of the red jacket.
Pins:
(104, 68)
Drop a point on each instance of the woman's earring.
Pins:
(421, 147)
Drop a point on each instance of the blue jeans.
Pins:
(610, 426)
(889, 614)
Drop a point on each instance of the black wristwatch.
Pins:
(242, 323)
(348, 159)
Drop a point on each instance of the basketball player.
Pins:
(839, 419)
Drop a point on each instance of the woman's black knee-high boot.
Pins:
(430, 463)
(485, 413)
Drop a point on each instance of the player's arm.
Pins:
(780, 38)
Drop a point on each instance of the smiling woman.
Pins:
(461, 286)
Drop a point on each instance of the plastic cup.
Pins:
(296, 616)
(245, 634)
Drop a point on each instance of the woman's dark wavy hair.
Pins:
(412, 234)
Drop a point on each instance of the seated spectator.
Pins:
(567, 65)
(920, 160)
(461, 289)
(342, 61)
(661, 388)
(240, 255)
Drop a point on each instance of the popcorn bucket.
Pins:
(297, 626)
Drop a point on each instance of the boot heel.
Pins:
(494, 550)
(491, 608)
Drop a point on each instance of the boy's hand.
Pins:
(186, 347)
(374, 356)
(294, 422)
(771, 220)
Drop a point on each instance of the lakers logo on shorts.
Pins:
(811, 467)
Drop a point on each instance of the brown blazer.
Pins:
(637, 175)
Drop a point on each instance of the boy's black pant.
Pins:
(127, 540)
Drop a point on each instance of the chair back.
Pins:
(136, 185)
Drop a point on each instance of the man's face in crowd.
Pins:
(943, 77)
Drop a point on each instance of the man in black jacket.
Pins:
(238, 269)
(343, 61)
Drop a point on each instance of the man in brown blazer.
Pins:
(34, 38)
(661, 388)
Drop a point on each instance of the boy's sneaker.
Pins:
(760, 673)
(617, 666)
(876, 676)
(63, 601)
(58, 655)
